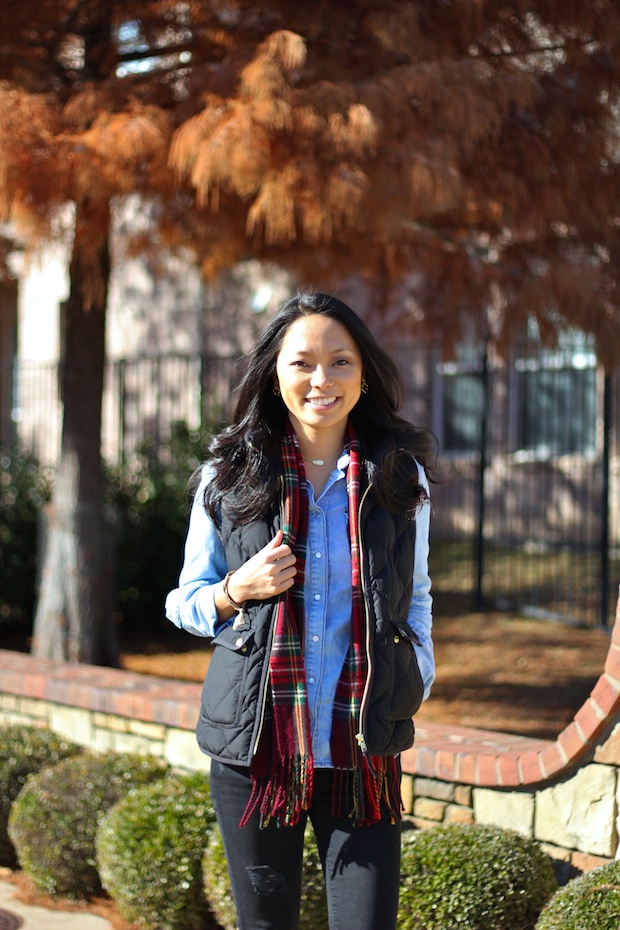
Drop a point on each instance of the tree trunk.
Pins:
(73, 618)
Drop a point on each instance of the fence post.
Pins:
(484, 437)
(604, 608)
(122, 405)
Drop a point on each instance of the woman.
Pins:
(307, 562)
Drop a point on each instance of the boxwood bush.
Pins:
(54, 820)
(219, 893)
(472, 877)
(23, 751)
(149, 850)
(589, 902)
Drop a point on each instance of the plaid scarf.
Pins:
(282, 769)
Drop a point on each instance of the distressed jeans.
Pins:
(361, 865)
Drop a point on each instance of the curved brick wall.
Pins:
(452, 753)
(487, 759)
(563, 792)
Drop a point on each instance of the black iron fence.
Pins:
(530, 505)
(525, 509)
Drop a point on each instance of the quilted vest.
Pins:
(235, 701)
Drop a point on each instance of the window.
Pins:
(458, 413)
(556, 398)
(463, 399)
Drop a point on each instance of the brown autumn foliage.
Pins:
(469, 147)
(470, 144)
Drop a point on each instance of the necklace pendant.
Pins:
(318, 461)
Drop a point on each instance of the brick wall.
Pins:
(565, 792)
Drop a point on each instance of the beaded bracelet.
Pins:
(232, 602)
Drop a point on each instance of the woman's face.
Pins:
(319, 373)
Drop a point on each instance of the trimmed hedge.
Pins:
(472, 877)
(589, 902)
(219, 893)
(24, 751)
(54, 820)
(150, 847)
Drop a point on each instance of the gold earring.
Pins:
(276, 389)
(364, 386)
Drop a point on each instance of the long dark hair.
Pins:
(246, 455)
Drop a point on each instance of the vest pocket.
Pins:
(222, 693)
(407, 687)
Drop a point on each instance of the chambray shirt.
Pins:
(327, 594)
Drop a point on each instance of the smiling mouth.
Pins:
(321, 401)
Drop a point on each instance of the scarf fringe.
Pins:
(284, 795)
(370, 798)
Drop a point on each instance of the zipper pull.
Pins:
(361, 742)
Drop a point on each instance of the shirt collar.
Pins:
(343, 462)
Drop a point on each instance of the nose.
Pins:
(320, 377)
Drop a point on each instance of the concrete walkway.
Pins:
(17, 916)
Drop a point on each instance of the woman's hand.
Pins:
(268, 573)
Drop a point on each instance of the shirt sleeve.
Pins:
(421, 609)
(191, 605)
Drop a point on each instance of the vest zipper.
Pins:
(360, 735)
(273, 634)
(264, 698)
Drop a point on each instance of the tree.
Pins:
(470, 148)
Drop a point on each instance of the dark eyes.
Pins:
(300, 363)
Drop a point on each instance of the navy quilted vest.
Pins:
(235, 692)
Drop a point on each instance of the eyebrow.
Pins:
(333, 351)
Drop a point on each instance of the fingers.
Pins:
(276, 549)
(270, 572)
(277, 539)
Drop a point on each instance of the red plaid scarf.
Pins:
(282, 770)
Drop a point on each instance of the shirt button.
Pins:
(318, 555)
(239, 641)
(315, 638)
(317, 597)
(311, 681)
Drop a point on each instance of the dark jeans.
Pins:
(361, 864)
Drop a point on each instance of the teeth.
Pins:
(321, 401)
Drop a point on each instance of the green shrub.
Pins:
(149, 496)
(149, 500)
(149, 850)
(590, 902)
(24, 487)
(54, 820)
(472, 877)
(23, 751)
(219, 893)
